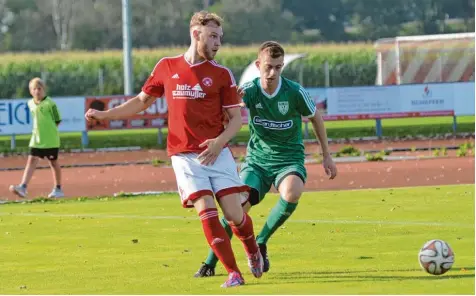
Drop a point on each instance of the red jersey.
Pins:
(196, 95)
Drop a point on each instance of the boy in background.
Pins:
(45, 141)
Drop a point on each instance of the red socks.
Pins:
(218, 239)
(245, 233)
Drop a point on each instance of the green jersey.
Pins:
(275, 121)
(45, 116)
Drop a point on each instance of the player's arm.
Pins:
(56, 114)
(131, 107)
(320, 130)
(152, 89)
(215, 146)
(233, 127)
(308, 109)
(231, 103)
(243, 95)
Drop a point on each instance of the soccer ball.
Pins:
(436, 257)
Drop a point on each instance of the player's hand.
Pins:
(329, 166)
(95, 114)
(241, 92)
(210, 155)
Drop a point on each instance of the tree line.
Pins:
(45, 25)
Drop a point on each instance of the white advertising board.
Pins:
(463, 98)
(363, 100)
(15, 117)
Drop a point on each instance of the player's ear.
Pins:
(196, 34)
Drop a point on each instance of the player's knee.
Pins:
(234, 217)
(203, 203)
(33, 159)
(292, 195)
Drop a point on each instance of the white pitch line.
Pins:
(318, 221)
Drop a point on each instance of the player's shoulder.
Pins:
(291, 85)
(48, 101)
(167, 60)
(223, 70)
(218, 66)
(251, 85)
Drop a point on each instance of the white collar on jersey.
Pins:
(270, 96)
(193, 65)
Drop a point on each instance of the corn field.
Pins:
(79, 73)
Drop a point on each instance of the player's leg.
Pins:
(208, 266)
(56, 172)
(231, 194)
(31, 163)
(290, 184)
(196, 191)
(255, 178)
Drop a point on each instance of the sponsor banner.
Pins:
(154, 116)
(15, 117)
(320, 98)
(343, 103)
(363, 100)
(463, 98)
(388, 115)
(425, 97)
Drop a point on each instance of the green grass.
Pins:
(147, 138)
(343, 242)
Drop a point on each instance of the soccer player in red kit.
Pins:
(197, 90)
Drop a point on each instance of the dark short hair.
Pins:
(272, 48)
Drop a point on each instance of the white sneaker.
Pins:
(56, 193)
(18, 190)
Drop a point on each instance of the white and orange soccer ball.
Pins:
(436, 257)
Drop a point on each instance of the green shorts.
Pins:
(260, 178)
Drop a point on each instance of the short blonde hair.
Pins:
(203, 18)
(35, 82)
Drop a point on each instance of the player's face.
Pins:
(270, 68)
(209, 40)
(37, 92)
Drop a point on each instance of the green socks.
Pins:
(279, 214)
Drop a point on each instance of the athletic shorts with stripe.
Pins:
(195, 180)
(261, 177)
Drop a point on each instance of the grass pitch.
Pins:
(340, 242)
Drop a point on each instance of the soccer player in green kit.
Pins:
(275, 153)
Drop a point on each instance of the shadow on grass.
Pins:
(364, 275)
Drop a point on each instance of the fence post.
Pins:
(44, 75)
(327, 75)
(306, 129)
(84, 139)
(160, 137)
(455, 125)
(13, 142)
(301, 73)
(378, 127)
(101, 80)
